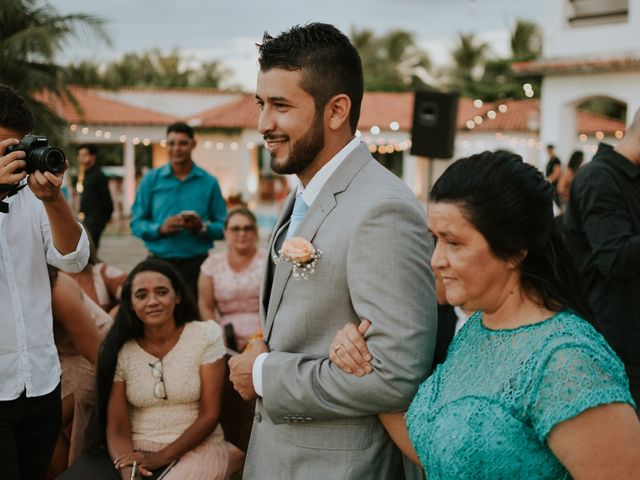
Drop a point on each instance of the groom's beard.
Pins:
(303, 152)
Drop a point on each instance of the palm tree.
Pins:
(391, 62)
(468, 57)
(526, 41)
(31, 34)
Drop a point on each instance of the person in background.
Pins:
(602, 222)
(179, 209)
(37, 227)
(78, 329)
(529, 389)
(102, 283)
(96, 206)
(553, 171)
(564, 184)
(229, 291)
(229, 283)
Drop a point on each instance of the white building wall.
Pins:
(562, 94)
(564, 40)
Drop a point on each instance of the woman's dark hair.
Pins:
(127, 326)
(241, 211)
(575, 160)
(510, 203)
(329, 63)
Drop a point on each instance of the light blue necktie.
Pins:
(299, 209)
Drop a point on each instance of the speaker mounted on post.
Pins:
(433, 131)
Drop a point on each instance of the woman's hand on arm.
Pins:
(206, 298)
(211, 385)
(349, 350)
(601, 442)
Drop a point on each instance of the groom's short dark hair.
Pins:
(329, 63)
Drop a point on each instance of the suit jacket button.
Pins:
(287, 419)
(308, 419)
(258, 417)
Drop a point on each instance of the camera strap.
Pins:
(12, 189)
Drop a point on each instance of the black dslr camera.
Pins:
(39, 155)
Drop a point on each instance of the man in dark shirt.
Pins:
(603, 229)
(96, 206)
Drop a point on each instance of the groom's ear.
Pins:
(337, 111)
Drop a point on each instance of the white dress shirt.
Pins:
(28, 355)
(309, 194)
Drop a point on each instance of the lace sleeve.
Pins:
(214, 349)
(120, 373)
(574, 379)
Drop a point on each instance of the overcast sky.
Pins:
(228, 30)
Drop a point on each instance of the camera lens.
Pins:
(53, 160)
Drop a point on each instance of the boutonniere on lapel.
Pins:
(301, 254)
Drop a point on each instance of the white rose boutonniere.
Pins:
(301, 253)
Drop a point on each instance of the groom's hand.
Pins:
(241, 367)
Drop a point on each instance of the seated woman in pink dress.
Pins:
(101, 282)
(229, 283)
(78, 329)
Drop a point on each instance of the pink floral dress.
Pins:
(237, 293)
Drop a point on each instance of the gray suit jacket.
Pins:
(315, 421)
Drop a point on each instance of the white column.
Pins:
(129, 187)
(557, 124)
(633, 104)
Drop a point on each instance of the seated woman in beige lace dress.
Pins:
(160, 378)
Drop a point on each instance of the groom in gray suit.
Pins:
(312, 420)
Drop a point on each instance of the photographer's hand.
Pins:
(10, 163)
(46, 185)
(65, 230)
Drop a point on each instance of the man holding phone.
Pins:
(179, 209)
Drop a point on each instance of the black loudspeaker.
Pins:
(434, 124)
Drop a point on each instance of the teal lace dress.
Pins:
(486, 411)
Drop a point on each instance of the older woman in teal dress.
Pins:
(529, 389)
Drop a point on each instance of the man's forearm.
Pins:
(65, 230)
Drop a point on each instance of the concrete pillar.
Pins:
(129, 187)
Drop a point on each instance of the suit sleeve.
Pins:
(607, 225)
(390, 283)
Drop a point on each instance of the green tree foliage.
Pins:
(31, 34)
(468, 56)
(149, 69)
(476, 75)
(526, 41)
(392, 62)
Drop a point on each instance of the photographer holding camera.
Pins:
(36, 227)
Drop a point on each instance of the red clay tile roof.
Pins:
(102, 111)
(382, 108)
(573, 65)
(378, 108)
(241, 113)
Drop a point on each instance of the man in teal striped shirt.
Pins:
(179, 209)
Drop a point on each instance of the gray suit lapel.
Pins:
(268, 274)
(321, 207)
